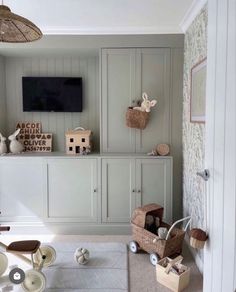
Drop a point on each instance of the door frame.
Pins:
(220, 155)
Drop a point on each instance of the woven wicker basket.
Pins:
(136, 119)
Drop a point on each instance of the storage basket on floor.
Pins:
(170, 278)
(144, 239)
(136, 119)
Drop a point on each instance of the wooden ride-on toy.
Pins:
(149, 241)
(40, 257)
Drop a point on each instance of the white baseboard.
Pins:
(67, 228)
(195, 255)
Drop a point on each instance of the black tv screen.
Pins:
(52, 94)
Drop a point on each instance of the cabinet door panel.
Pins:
(154, 184)
(117, 93)
(118, 200)
(21, 190)
(72, 190)
(153, 77)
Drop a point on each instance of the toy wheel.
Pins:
(133, 246)
(50, 254)
(3, 263)
(154, 259)
(35, 281)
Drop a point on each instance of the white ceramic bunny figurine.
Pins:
(15, 146)
(3, 146)
(146, 104)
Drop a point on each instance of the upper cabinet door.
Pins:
(153, 77)
(118, 91)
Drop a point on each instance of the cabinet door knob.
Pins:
(139, 191)
(94, 190)
(133, 191)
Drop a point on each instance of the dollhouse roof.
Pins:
(79, 132)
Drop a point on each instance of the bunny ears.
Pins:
(14, 135)
(145, 96)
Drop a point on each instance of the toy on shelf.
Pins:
(172, 273)
(161, 149)
(81, 256)
(15, 146)
(78, 141)
(198, 237)
(138, 117)
(32, 138)
(146, 105)
(3, 146)
(149, 241)
(40, 257)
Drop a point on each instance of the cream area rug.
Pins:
(107, 269)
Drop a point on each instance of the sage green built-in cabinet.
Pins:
(118, 185)
(126, 74)
(21, 190)
(128, 183)
(72, 188)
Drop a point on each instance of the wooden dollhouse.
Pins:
(78, 141)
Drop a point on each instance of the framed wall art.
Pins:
(198, 92)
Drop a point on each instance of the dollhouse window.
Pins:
(71, 140)
(83, 139)
(70, 148)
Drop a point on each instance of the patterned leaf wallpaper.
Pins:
(193, 133)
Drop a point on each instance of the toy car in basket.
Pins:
(149, 241)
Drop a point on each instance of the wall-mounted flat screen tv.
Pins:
(52, 94)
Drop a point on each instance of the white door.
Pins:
(220, 252)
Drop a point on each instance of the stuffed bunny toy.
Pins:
(15, 146)
(3, 146)
(146, 104)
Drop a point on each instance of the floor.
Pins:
(141, 272)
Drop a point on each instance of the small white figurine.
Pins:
(81, 256)
(15, 146)
(3, 146)
(146, 104)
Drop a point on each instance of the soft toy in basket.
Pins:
(146, 226)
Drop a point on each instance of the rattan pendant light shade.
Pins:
(16, 29)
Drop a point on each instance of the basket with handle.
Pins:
(169, 277)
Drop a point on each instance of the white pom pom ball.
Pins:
(81, 256)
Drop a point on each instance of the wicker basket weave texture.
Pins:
(163, 248)
(145, 238)
(17, 29)
(136, 119)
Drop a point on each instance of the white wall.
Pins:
(2, 96)
(56, 123)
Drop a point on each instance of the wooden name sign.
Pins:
(32, 138)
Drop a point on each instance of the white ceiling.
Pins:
(103, 16)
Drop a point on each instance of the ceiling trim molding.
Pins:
(191, 14)
(125, 30)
